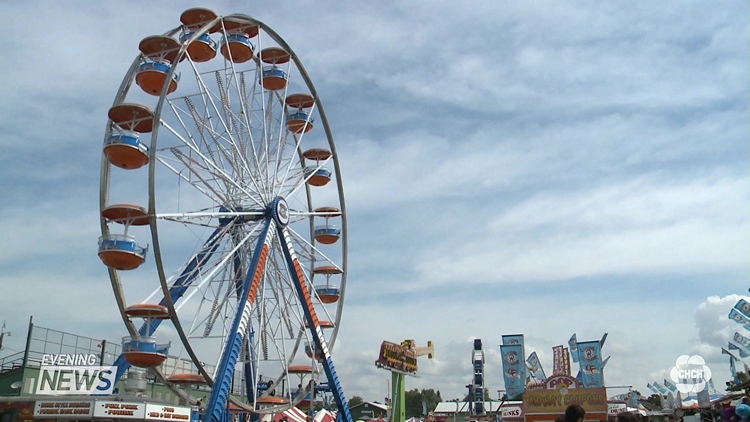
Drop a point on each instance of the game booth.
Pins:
(547, 401)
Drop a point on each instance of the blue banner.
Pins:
(660, 388)
(536, 367)
(513, 369)
(741, 340)
(744, 352)
(590, 360)
(514, 340)
(634, 399)
(573, 345)
(652, 388)
(739, 318)
(743, 307)
(670, 386)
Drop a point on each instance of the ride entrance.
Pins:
(223, 223)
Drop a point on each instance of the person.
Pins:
(626, 417)
(574, 413)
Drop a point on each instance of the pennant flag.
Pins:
(739, 319)
(741, 350)
(711, 384)
(513, 369)
(652, 388)
(590, 361)
(536, 367)
(2, 334)
(743, 307)
(604, 362)
(573, 344)
(670, 386)
(704, 399)
(604, 338)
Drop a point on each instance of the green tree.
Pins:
(355, 401)
(415, 398)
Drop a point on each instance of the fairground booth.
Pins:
(549, 400)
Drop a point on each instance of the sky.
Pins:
(544, 168)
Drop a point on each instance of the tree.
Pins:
(414, 399)
(355, 401)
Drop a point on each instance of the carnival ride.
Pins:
(219, 167)
(476, 388)
(401, 359)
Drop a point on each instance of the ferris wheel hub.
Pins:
(280, 211)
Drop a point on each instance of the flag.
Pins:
(670, 386)
(573, 344)
(601, 342)
(741, 350)
(741, 340)
(513, 369)
(733, 369)
(536, 367)
(711, 384)
(604, 362)
(652, 388)
(726, 352)
(704, 399)
(2, 334)
(566, 362)
(557, 360)
(590, 361)
(739, 318)
(517, 339)
(661, 389)
(743, 307)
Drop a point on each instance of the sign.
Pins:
(119, 410)
(511, 412)
(561, 381)
(167, 413)
(593, 400)
(615, 408)
(25, 410)
(397, 357)
(49, 409)
(76, 380)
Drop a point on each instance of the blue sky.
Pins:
(508, 167)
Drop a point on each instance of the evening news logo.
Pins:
(61, 375)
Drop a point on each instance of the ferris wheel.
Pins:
(222, 212)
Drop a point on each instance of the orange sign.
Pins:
(593, 400)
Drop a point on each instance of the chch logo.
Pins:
(690, 374)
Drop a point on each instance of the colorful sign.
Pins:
(511, 412)
(555, 401)
(535, 367)
(573, 344)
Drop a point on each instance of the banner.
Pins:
(652, 388)
(634, 398)
(670, 386)
(513, 369)
(554, 402)
(743, 307)
(558, 360)
(536, 367)
(661, 389)
(739, 319)
(517, 339)
(733, 370)
(742, 340)
(566, 362)
(741, 350)
(604, 338)
(573, 344)
(590, 360)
